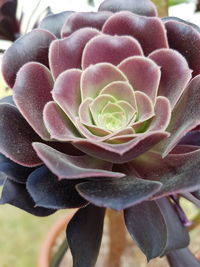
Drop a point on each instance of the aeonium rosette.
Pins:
(105, 116)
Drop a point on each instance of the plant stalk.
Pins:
(59, 254)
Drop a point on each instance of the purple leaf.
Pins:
(31, 92)
(121, 153)
(54, 22)
(111, 49)
(182, 258)
(16, 144)
(142, 7)
(16, 195)
(48, 192)
(175, 73)
(186, 39)
(147, 227)
(118, 194)
(66, 53)
(86, 227)
(34, 46)
(185, 116)
(73, 167)
(150, 32)
(80, 20)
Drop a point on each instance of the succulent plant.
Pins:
(105, 115)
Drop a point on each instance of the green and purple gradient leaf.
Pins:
(186, 39)
(16, 144)
(141, 7)
(32, 90)
(16, 195)
(74, 167)
(118, 194)
(48, 192)
(143, 74)
(175, 73)
(66, 53)
(150, 32)
(80, 20)
(34, 46)
(84, 233)
(111, 49)
(182, 258)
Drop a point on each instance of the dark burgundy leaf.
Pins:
(147, 227)
(48, 192)
(16, 137)
(118, 194)
(141, 7)
(34, 46)
(182, 258)
(192, 138)
(84, 233)
(16, 195)
(54, 22)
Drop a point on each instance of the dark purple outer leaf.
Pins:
(182, 258)
(16, 194)
(32, 90)
(118, 194)
(84, 233)
(192, 138)
(54, 22)
(185, 38)
(16, 137)
(141, 7)
(74, 167)
(147, 227)
(48, 192)
(34, 46)
(14, 171)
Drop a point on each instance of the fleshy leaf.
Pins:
(150, 32)
(84, 19)
(34, 46)
(73, 167)
(112, 49)
(54, 22)
(31, 92)
(58, 124)
(16, 195)
(66, 92)
(142, 7)
(182, 258)
(175, 73)
(162, 114)
(147, 227)
(96, 77)
(173, 171)
(121, 153)
(189, 47)
(185, 116)
(143, 74)
(84, 111)
(86, 227)
(145, 106)
(16, 144)
(66, 53)
(118, 194)
(48, 192)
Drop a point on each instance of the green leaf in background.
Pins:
(176, 2)
(91, 2)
